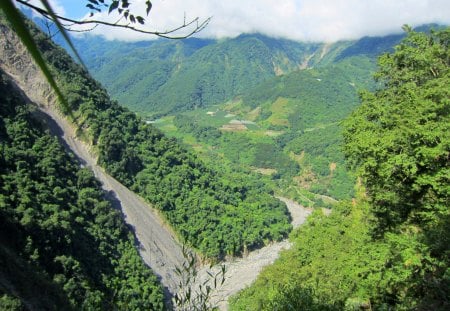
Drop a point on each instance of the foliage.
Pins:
(197, 73)
(336, 265)
(63, 244)
(191, 73)
(306, 105)
(399, 139)
(304, 110)
(329, 259)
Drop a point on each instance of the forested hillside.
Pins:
(290, 95)
(164, 77)
(161, 77)
(63, 246)
(389, 248)
(217, 211)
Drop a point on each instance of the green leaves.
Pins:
(122, 7)
(399, 138)
(114, 5)
(61, 228)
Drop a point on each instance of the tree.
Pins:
(399, 138)
(399, 141)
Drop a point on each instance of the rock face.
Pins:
(17, 62)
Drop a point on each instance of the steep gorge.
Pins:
(157, 243)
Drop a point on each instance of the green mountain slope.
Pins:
(290, 126)
(388, 249)
(161, 77)
(166, 76)
(274, 91)
(62, 244)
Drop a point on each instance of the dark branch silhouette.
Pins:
(194, 26)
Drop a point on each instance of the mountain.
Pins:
(164, 173)
(287, 127)
(162, 77)
(63, 245)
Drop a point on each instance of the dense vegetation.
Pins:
(389, 249)
(62, 244)
(196, 73)
(218, 212)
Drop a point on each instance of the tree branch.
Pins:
(169, 34)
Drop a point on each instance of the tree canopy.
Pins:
(399, 138)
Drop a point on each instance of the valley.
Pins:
(158, 245)
(157, 242)
(246, 173)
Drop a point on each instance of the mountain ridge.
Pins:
(162, 77)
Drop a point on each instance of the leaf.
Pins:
(114, 5)
(140, 20)
(125, 4)
(132, 19)
(94, 2)
(149, 6)
(90, 6)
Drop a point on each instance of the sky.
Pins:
(302, 20)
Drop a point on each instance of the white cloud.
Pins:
(307, 20)
(55, 4)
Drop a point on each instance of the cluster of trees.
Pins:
(63, 245)
(323, 156)
(206, 133)
(216, 212)
(389, 249)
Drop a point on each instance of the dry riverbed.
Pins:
(241, 272)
